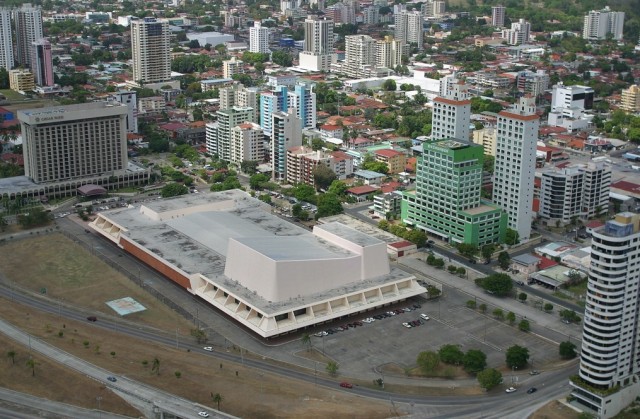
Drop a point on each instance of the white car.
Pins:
(424, 316)
(321, 334)
(367, 320)
(511, 390)
(407, 325)
(208, 348)
(203, 414)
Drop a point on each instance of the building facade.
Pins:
(6, 40)
(21, 80)
(42, 63)
(598, 24)
(498, 14)
(150, 51)
(247, 143)
(389, 52)
(28, 24)
(218, 134)
(409, 28)
(630, 101)
(517, 136)
(129, 98)
(259, 38)
(74, 141)
(607, 380)
(360, 55)
(452, 115)
(318, 53)
(518, 34)
(286, 133)
(232, 67)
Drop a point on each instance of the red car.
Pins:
(346, 385)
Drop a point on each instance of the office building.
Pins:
(129, 98)
(360, 56)
(42, 63)
(452, 114)
(286, 133)
(259, 38)
(409, 28)
(21, 80)
(150, 51)
(446, 202)
(6, 40)
(218, 134)
(247, 143)
(630, 101)
(571, 97)
(518, 34)
(232, 67)
(515, 164)
(74, 141)
(607, 380)
(600, 23)
(389, 52)
(318, 53)
(497, 16)
(28, 24)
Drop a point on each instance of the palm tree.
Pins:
(31, 363)
(306, 340)
(155, 366)
(217, 398)
(12, 354)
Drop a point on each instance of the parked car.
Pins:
(407, 325)
(112, 379)
(534, 372)
(346, 385)
(92, 318)
(511, 390)
(424, 316)
(208, 348)
(532, 390)
(203, 414)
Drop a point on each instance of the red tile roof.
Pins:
(546, 263)
(452, 102)
(626, 186)
(594, 224)
(361, 190)
(518, 116)
(401, 244)
(388, 152)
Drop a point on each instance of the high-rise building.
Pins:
(433, 8)
(150, 51)
(498, 15)
(28, 23)
(360, 55)
(218, 134)
(74, 141)
(259, 38)
(6, 40)
(238, 95)
(607, 380)
(318, 53)
(518, 34)
(447, 200)
(270, 103)
(42, 63)
(303, 100)
(515, 164)
(231, 67)
(129, 98)
(452, 114)
(371, 15)
(630, 101)
(600, 23)
(389, 52)
(247, 143)
(286, 133)
(409, 28)
(570, 97)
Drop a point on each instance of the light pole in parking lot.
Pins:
(513, 369)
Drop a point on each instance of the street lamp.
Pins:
(99, 410)
(513, 369)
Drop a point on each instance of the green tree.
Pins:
(548, 307)
(257, 181)
(317, 144)
(504, 260)
(570, 316)
(497, 284)
(567, 350)
(461, 271)
(416, 236)
(32, 363)
(471, 304)
(304, 192)
(522, 297)
(467, 250)
(483, 308)
(389, 85)
(428, 361)
(332, 368)
(511, 317)
(173, 189)
(306, 341)
(155, 365)
(35, 217)
(328, 204)
(338, 188)
(474, 361)
(451, 354)
(524, 325)
(249, 167)
(489, 378)
(512, 238)
(217, 399)
(323, 176)
(282, 58)
(12, 355)
(487, 251)
(498, 314)
(517, 356)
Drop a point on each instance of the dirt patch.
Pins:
(555, 410)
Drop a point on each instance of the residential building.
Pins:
(518, 34)
(433, 9)
(319, 4)
(218, 134)
(247, 143)
(609, 358)
(28, 24)
(150, 51)
(409, 28)
(535, 83)
(21, 80)
(271, 102)
(497, 16)
(286, 133)
(396, 161)
(129, 98)
(389, 52)
(452, 114)
(302, 98)
(598, 24)
(360, 56)
(388, 204)
(446, 202)
(42, 63)
(486, 137)
(151, 106)
(232, 67)
(631, 99)
(302, 160)
(515, 164)
(6, 40)
(74, 141)
(371, 15)
(317, 53)
(238, 95)
(259, 38)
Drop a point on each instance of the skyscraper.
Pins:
(452, 114)
(218, 134)
(609, 357)
(129, 98)
(270, 103)
(6, 41)
(150, 50)
(318, 53)
(41, 63)
(497, 16)
(286, 133)
(28, 22)
(303, 100)
(518, 34)
(599, 23)
(515, 164)
(389, 52)
(410, 28)
(258, 38)
(360, 55)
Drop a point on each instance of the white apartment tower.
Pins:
(150, 51)
(599, 23)
(497, 16)
(410, 27)
(218, 134)
(610, 354)
(452, 114)
(259, 38)
(318, 53)
(360, 55)
(129, 98)
(515, 163)
(247, 143)
(28, 23)
(232, 67)
(6, 42)
(389, 52)
(518, 34)
(286, 133)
